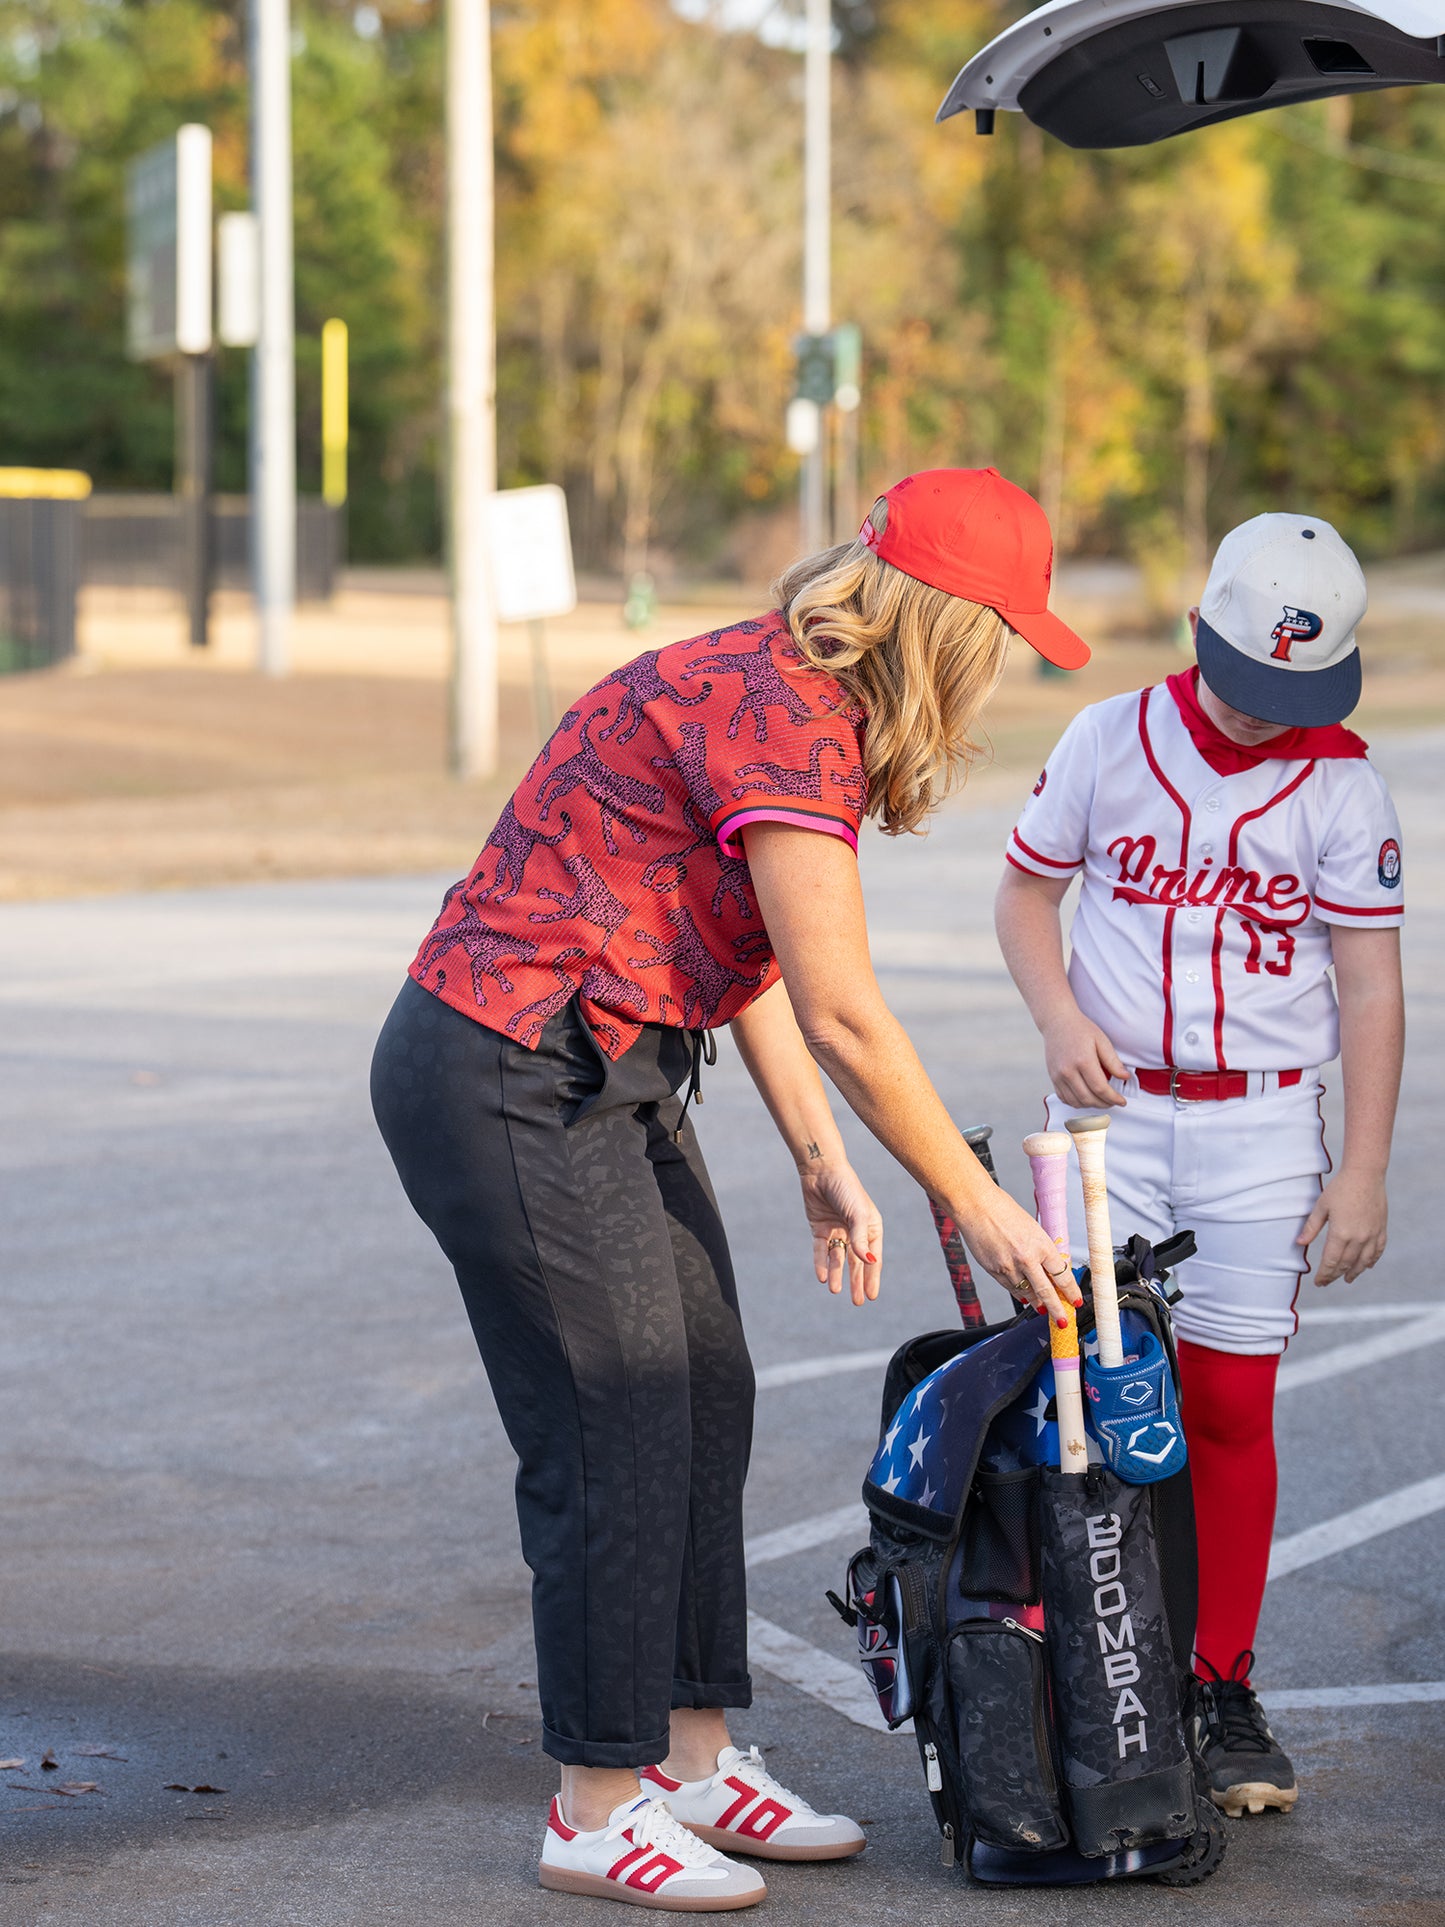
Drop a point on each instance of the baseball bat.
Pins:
(1088, 1135)
(1048, 1156)
(950, 1238)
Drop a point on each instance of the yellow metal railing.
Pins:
(44, 484)
(334, 409)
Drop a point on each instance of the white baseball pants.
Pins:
(1243, 1174)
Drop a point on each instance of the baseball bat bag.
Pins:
(1035, 1626)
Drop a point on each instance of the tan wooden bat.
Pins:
(1088, 1135)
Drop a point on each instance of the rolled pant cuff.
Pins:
(700, 1695)
(572, 1752)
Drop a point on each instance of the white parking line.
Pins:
(771, 1376)
(820, 1530)
(839, 1685)
(1430, 1330)
(1353, 1528)
(1305, 1699)
(836, 1682)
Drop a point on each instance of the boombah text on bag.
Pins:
(1036, 1627)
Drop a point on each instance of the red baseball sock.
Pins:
(1228, 1400)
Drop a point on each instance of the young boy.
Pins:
(1235, 846)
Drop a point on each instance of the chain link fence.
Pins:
(137, 541)
(53, 545)
(40, 562)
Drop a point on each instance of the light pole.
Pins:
(273, 376)
(471, 386)
(817, 278)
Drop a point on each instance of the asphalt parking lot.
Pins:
(262, 1595)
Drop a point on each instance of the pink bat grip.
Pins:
(1051, 1194)
(1048, 1156)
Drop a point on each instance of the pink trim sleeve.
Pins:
(729, 827)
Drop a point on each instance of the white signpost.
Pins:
(530, 552)
(238, 293)
(168, 201)
(168, 204)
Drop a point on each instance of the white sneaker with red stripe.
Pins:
(645, 1857)
(743, 1809)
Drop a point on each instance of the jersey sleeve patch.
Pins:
(1361, 873)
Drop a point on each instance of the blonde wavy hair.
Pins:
(922, 664)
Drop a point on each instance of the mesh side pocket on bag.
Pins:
(1005, 1747)
(1000, 1543)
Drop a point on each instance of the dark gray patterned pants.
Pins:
(596, 1275)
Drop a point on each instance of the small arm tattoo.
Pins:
(814, 1152)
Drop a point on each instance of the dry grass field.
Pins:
(145, 766)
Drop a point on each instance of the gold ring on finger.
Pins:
(837, 1244)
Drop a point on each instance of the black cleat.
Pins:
(1247, 1768)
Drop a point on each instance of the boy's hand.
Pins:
(1354, 1209)
(1081, 1061)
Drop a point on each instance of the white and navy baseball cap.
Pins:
(1277, 621)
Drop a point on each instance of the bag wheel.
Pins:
(1203, 1851)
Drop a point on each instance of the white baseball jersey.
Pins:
(1202, 935)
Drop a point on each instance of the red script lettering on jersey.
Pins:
(1278, 900)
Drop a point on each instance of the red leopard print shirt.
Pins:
(616, 873)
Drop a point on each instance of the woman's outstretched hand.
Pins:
(1016, 1250)
(846, 1225)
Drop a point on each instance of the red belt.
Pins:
(1202, 1087)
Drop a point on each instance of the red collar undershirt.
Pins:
(1228, 758)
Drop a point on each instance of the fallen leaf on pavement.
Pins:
(7, 1766)
(178, 1786)
(77, 1786)
(48, 1761)
(97, 1753)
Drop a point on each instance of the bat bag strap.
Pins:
(1127, 1777)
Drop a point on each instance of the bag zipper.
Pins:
(1027, 1631)
(933, 1772)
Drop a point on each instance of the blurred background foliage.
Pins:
(1158, 342)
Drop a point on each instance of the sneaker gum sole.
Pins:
(739, 1844)
(565, 1880)
(1255, 1795)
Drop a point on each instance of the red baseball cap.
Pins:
(970, 533)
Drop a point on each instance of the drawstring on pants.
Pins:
(704, 1051)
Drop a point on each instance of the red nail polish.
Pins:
(869, 1258)
(1063, 1324)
